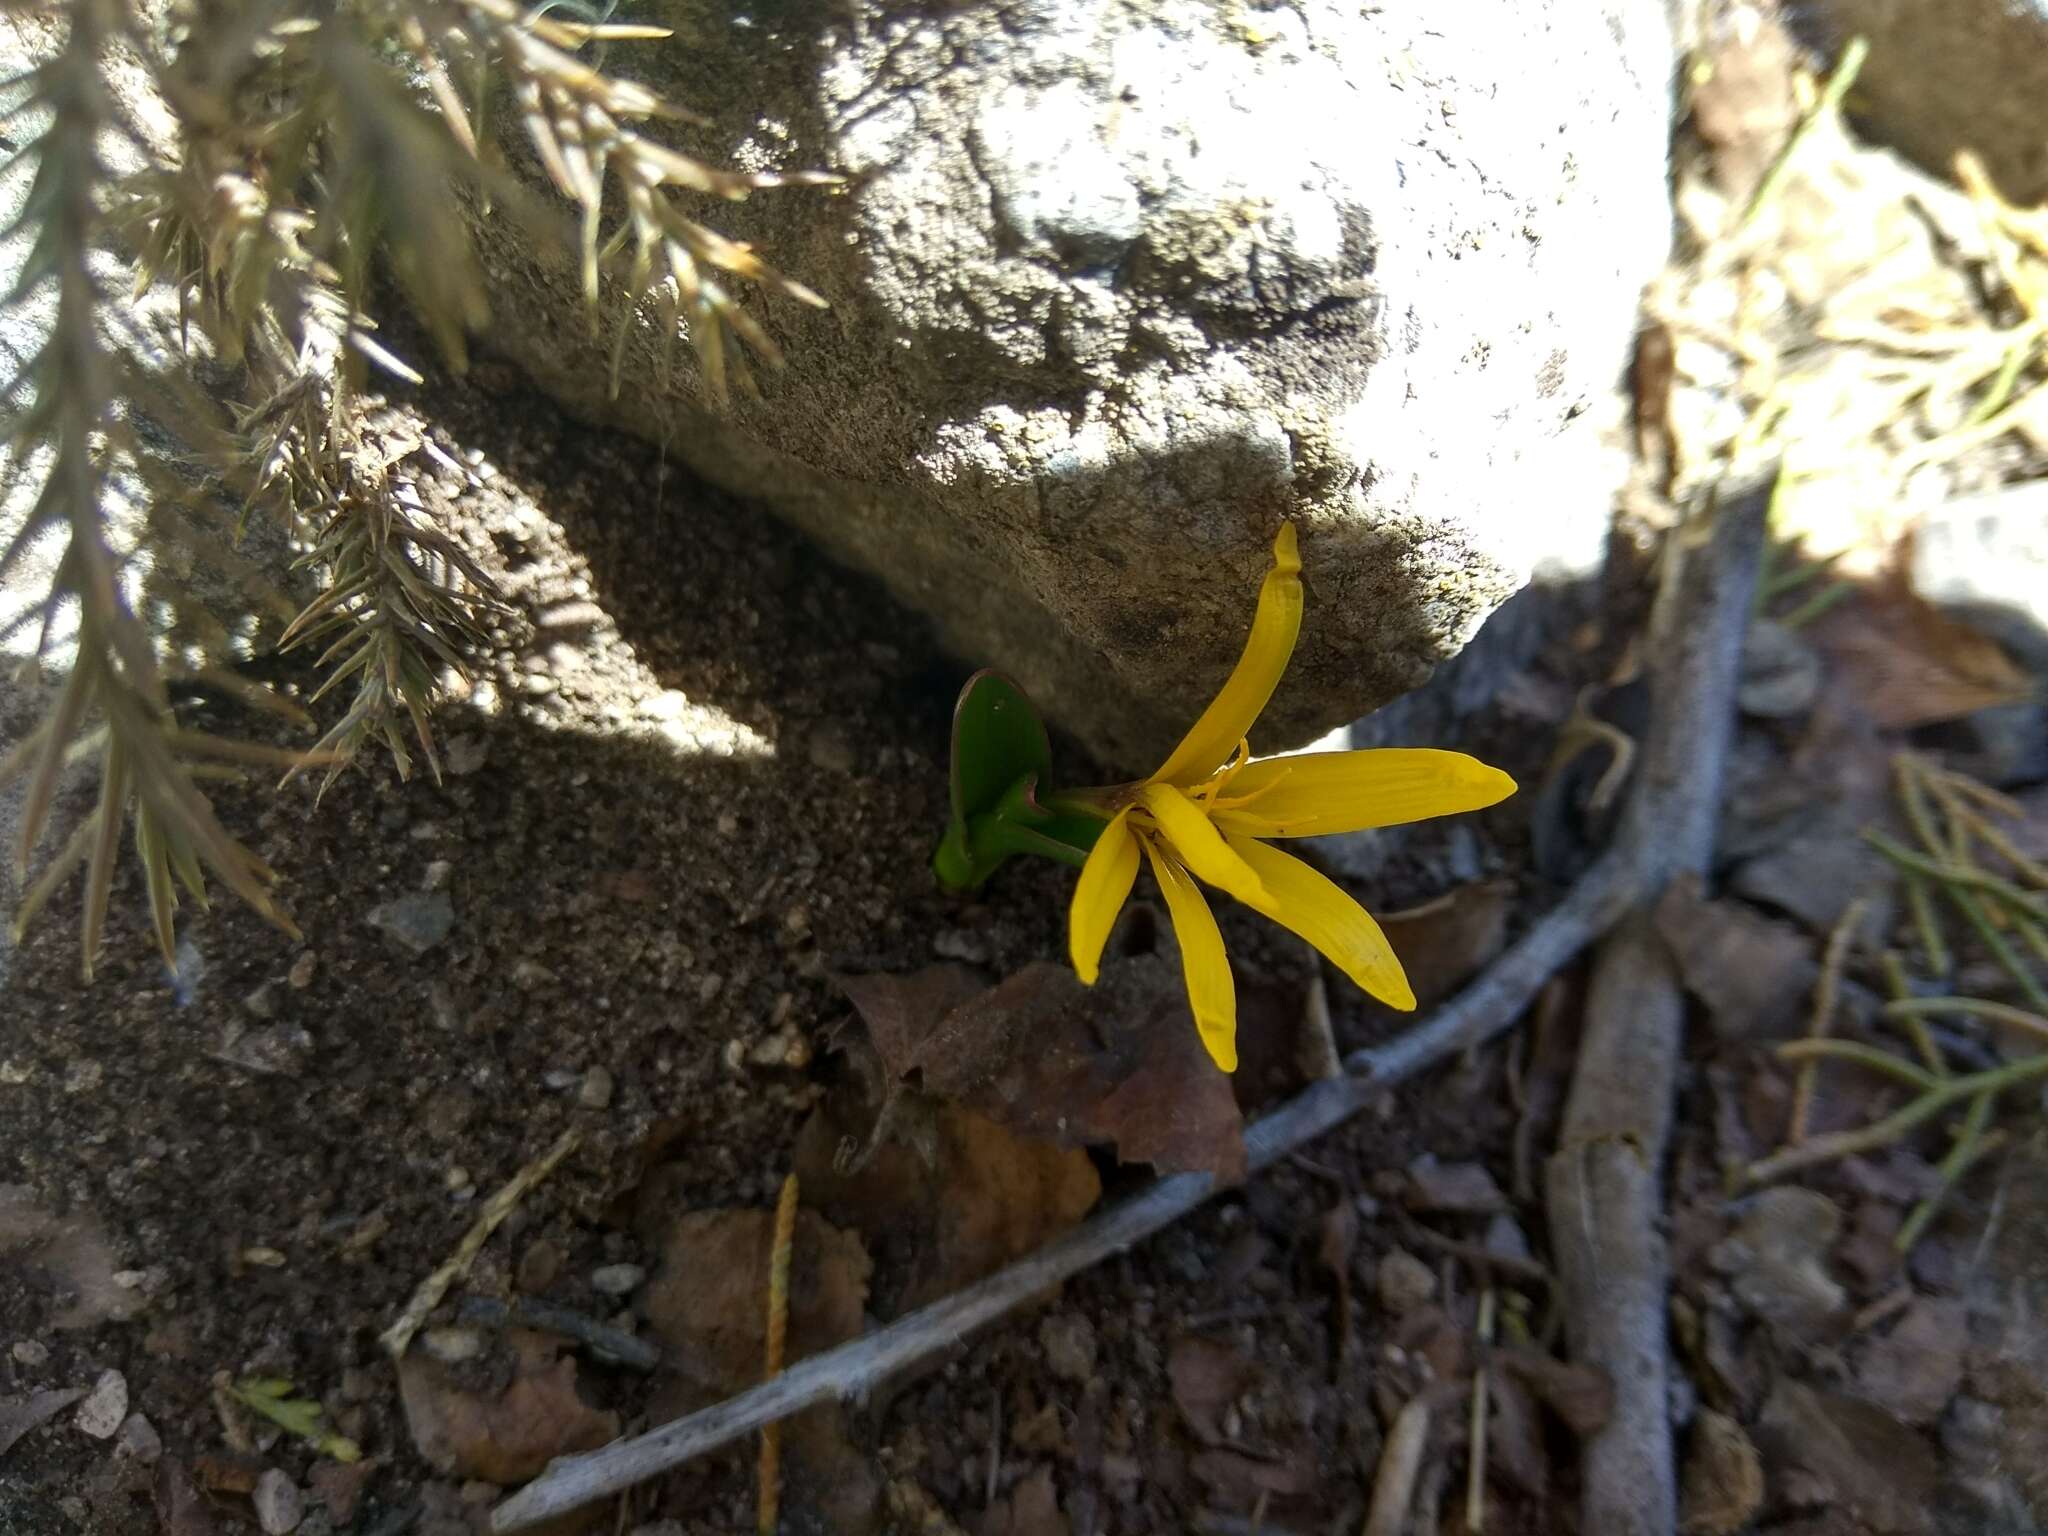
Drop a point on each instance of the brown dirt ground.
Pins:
(655, 906)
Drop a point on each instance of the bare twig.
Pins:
(1604, 1182)
(601, 1339)
(495, 1210)
(1393, 1484)
(1475, 1461)
(1824, 994)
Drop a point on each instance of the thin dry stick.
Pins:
(778, 1326)
(496, 1209)
(1393, 1484)
(1824, 995)
(1604, 1183)
(1609, 888)
(1475, 1462)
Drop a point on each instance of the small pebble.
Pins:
(417, 922)
(538, 1266)
(263, 1258)
(959, 944)
(139, 1440)
(301, 974)
(596, 1089)
(530, 973)
(31, 1353)
(467, 753)
(452, 1345)
(830, 748)
(617, 1279)
(1404, 1282)
(104, 1408)
(279, 1505)
(1068, 1340)
(439, 873)
(263, 1001)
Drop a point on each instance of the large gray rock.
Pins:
(1950, 75)
(1117, 286)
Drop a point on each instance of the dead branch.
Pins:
(1639, 862)
(1604, 1182)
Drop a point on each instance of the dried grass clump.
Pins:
(307, 144)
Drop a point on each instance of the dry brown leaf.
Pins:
(1907, 664)
(19, 1415)
(74, 1253)
(1580, 1395)
(1723, 1481)
(507, 1437)
(1243, 1480)
(1861, 1459)
(1119, 1063)
(1465, 1189)
(181, 1510)
(1916, 1368)
(985, 1197)
(1514, 1447)
(1755, 976)
(1208, 1379)
(339, 1485)
(1339, 1237)
(227, 1471)
(1444, 943)
(914, 1512)
(707, 1303)
(1032, 1509)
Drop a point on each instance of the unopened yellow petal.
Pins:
(1187, 830)
(1325, 915)
(1321, 792)
(1099, 895)
(1212, 992)
(1228, 719)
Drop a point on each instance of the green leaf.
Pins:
(270, 1396)
(1002, 758)
(969, 854)
(998, 740)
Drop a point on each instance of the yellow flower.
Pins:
(1204, 815)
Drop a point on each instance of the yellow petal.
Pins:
(1328, 918)
(1185, 827)
(1212, 993)
(1320, 792)
(1228, 719)
(1099, 895)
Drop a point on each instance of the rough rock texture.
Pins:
(1948, 75)
(1116, 287)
